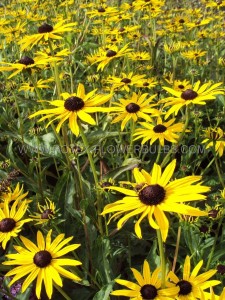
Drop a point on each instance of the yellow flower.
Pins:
(12, 195)
(148, 286)
(25, 63)
(42, 262)
(47, 212)
(110, 52)
(136, 107)
(41, 84)
(193, 54)
(125, 81)
(139, 55)
(11, 220)
(215, 138)
(147, 82)
(192, 286)
(195, 95)
(162, 131)
(45, 33)
(103, 11)
(155, 196)
(74, 107)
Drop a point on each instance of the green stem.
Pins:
(61, 291)
(130, 150)
(166, 158)
(158, 154)
(162, 257)
(56, 72)
(218, 170)
(210, 256)
(176, 249)
(92, 164)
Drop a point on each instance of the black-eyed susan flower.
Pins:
(42, 261)
(215, 138)
(139, 55)
(47, 212)
(192, 285)
(46, 32)
(102, 11)
(156, 196)
(178, 85)
(148, 286)
(193, 54)
(108, 53)
(74, 107)
(148, 83)
(56, 56)
(14, 194)
(160, 131)
(11, 220)
(125, 81)
(138, 106)
(26, 63)
(195, 95)
(41, 84)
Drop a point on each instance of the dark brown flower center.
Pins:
(181, 21)
(42, 259)
(189, 94)
(185, 287)
(213, 213)
(101, 10)
(46, 214)
(25, 60)
(7, 224)
(122, 29)
(221, 269)
(152, 194)
(126, 80)
(74, 103)
(159, 128)
(132, 108)
(106, 183)
(111, 53)
(148, 292)
(181, 86)
(145, 84)
(44, 28)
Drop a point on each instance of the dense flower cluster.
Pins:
(143, 79)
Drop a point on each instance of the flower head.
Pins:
(46, 32)
(25, 63)
(12, 195)
(148, 286)
(156, 196)
(192, 285)
(11, 220)
(134, 108)
(42, 261)
(215, 138)
(46, 212)
(161, 131)
(195, 95)
(105, 55)
(74, 107)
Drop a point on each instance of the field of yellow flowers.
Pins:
(112, 144)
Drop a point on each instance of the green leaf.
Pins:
(128, 164)
(104, 293)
